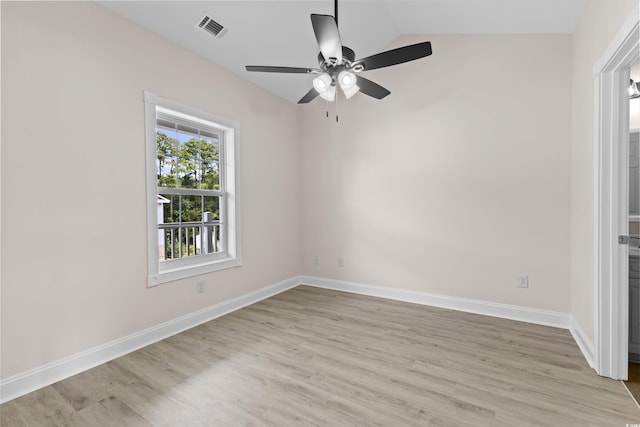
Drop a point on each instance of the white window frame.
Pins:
(170, 270)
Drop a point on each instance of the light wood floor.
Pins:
(316, 357)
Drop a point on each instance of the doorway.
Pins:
(612, 71)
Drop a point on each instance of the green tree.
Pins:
(188, 161)
(210, 154)
(166, 151)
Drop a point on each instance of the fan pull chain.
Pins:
(337, 98)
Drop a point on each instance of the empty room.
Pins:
(226, 213)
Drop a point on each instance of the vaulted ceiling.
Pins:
(280, 33)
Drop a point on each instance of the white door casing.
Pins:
(611, 217)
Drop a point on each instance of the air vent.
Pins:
(206, 23)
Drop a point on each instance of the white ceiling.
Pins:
(279, 33)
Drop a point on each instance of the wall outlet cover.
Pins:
(200, 286)
(523, 281)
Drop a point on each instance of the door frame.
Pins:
(611, 214)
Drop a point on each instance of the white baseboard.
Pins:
(505, 311)
(26, 382)
(584, 343)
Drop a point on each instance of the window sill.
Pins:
(170, 275)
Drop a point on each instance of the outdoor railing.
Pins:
(179, 240)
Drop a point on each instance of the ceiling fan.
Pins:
(338, 66)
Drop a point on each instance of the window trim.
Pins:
(158, 273)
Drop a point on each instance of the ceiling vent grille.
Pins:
(206, 23)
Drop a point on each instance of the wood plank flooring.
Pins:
(317, 357)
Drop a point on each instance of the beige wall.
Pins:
(596, 28)
(455, 183)
(73, 179)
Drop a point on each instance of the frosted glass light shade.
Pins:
(350, 91)
(322, 83)
(346, 80)
(329, 94)
(348, 84)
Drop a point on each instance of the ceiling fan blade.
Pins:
(396, 56)
(267, 69)
(310, 96)
(371, 88)
(327, 35)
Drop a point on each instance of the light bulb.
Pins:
(322, 83)
(346, 79)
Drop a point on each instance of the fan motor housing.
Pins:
(348, 56)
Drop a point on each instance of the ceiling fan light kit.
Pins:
(337, 63)
(325, 85)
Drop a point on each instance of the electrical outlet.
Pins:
(316, 260)
(523, 281)
(200, 286)
(340, 262)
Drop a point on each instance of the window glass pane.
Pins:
(212, 232)
(188, 172)
(190, 208)
(173, 243)
(166, 160)
(168, 213)
(188, 155)
(170, 208)
(212, 204)
(198, 175)
(210, 152)
(168, 244)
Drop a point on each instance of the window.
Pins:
(191, 191)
